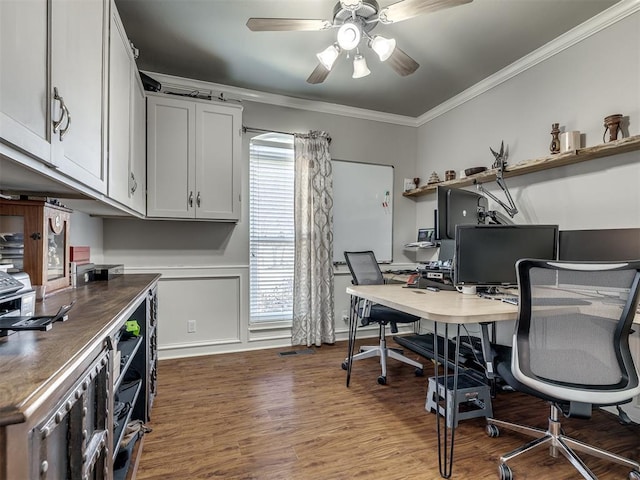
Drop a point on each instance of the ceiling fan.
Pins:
(354, 19)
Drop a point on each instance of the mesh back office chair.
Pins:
(571, 348)
(365, 271)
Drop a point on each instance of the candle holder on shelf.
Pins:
(555, 139)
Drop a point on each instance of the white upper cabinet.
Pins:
(55, 114)
(126, 122)
(78, 81)
(193, 159)
(138, 158)
(24, 88)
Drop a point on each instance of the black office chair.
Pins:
(571, 348)
(365, 271)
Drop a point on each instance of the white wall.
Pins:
(205, 265)
(578, 87)
(87, 231)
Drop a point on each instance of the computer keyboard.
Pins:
(510, 300)
(8, 284)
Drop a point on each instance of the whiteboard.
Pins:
(362, 209)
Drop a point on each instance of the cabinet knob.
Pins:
(44, 466)
(191, 199)
(198, 200)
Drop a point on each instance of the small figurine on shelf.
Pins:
(612, 125)
(555, 140)
(501, 158)
(434, 178)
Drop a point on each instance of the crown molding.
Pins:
(601, 21)
(238, 94)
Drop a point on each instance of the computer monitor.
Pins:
(600, 245)
(456, 207)
(486, 255)
(607, 245)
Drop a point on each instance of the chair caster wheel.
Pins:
(493, 431)
(505, 472)
(382, 380)
(419, 372)
(344, 365)
(634, 475)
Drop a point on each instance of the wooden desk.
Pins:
(444, 307)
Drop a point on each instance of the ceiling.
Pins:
(456, 48)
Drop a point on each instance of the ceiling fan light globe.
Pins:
(328, 56)
(351, 5)
(384, 47)
(360, 68)
(349, 36)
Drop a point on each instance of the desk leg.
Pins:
(353, 317)
(446, 435)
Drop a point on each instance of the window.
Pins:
(271, 230)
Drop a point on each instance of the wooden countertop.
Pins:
(34, 364)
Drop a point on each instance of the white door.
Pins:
(24, 87)
(78, 76)
(170, 158)
(138, 157)
(217, 161)
(120, 66)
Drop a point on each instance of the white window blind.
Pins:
(271, 229)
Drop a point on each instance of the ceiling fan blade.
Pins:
(319, 74)
(286, 24)
(405, 9)
(402, 63)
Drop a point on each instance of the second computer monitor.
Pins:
(486, 255)
(457, 207)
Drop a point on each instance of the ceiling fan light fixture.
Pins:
(349, 36)
(328, 56)
(351, 5)
(360, 68)
(384, 47)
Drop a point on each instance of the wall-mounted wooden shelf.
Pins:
(624, 145)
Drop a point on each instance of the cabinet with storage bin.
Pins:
(35, 239)
(135, 371)
(67, 398)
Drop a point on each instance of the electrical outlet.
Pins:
(191, 326)
(345, 316)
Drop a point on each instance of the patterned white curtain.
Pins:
(313, 318)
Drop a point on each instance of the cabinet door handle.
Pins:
(63, 131)
(191, 199)
(63, 108)
(198, 200)
(134, 184)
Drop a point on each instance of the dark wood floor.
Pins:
(258, 415)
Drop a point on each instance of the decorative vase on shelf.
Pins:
(612, 125)
(555, 139)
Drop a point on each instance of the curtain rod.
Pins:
(246, 129)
